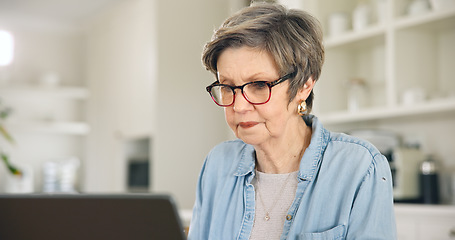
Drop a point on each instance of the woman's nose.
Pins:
(240, 102)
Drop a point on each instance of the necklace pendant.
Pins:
(267, 217)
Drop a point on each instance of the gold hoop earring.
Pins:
(302, 109)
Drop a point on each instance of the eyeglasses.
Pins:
(257, 92)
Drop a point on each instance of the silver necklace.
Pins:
(267, 211)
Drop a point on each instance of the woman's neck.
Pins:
(283, 155)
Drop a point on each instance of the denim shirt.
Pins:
(344, 191)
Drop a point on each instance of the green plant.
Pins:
(4, 113)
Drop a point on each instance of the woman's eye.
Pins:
(258, 85)
(225, 89)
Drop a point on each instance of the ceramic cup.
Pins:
(50, 79)
(361, 17)
(418, 7)
(413, 96)
(338, 23)
(442, 4)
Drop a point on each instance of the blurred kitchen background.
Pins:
(108, 96)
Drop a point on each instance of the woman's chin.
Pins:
(249, 139)
(252, 136)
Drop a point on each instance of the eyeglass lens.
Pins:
(254, 92)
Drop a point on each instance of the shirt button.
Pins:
(289, 217)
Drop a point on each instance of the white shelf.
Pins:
(34, 94)
(447, 15)
(352, 37)
(435, 106)
(51, 127)
(64, 92)
(426, 209)
(403, 54)
(422, 222)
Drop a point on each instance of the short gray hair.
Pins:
(292, 37)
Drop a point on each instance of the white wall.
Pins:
(189, 124)
(121, 75)
(145, 76)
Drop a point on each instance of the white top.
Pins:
(278, 193)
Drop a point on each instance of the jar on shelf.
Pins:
(357, 94)
(361, 16)
(338, 24)
(429, 181)
(418, 7)
(381, 11)
(438, 5)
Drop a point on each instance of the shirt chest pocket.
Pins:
(336, 233)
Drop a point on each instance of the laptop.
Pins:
(85, 217)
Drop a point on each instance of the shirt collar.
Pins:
(247, 161)
(310, 160)
(313, 154)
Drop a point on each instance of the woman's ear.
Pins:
(305, 91)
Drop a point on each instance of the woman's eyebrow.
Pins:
(254, 77)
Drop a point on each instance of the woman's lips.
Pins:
(248, 124)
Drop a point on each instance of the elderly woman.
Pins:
(286, 176)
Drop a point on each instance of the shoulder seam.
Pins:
(351, 141)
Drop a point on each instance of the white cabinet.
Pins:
(58, 110)
(407, 62)
(48, 125)
(423, 222)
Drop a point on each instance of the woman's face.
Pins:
(258, 124)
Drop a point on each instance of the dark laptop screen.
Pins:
(83, 216)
